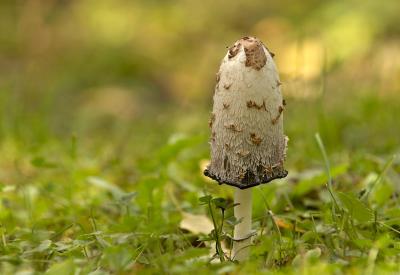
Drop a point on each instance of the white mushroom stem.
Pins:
(242, 231)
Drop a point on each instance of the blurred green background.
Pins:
(134, 71)
(122, 90)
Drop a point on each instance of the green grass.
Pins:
(103, 137)
(112, 201)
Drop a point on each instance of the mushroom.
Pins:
(248, 146)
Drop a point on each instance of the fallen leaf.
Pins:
(281, 223)
(196, 223)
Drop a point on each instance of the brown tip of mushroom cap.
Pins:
(254, 50)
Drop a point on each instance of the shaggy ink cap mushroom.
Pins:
(248, 146)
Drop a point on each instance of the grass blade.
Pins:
(327, 167)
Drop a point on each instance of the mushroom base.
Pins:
(249, 179)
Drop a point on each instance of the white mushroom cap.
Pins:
(248, 146)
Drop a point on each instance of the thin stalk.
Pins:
(388, 164)
(218, 246)
(242, 231)
(328, 170)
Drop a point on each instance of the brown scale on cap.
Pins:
(252, 104)
(255, 139)
(233, 51)
(280, 111)
(271, 53)
(217, 77)
(211, 120)
(253, 48)
(243, 153)
(227, 85)
(255, 55)
(213, 137)
(232, 127)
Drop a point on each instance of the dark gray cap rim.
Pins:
(282, 173)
